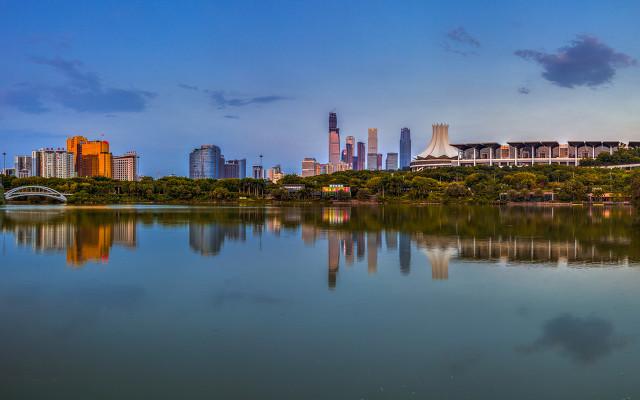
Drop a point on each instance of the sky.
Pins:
(260, 77)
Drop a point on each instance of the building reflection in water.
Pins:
(82, 241)
(512, 236)
(207, 239)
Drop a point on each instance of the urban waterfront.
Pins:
(375, 302)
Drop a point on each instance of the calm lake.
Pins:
(319, 303)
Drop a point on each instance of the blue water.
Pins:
(319, 303)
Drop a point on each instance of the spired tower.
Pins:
(439, 153)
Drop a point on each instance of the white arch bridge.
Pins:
(32, 191)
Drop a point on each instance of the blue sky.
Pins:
(261, 76)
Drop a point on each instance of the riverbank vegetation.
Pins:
(441, 185)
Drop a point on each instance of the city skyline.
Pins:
(501, 79)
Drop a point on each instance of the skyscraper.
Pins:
(372, 149)
(349, 148)
(205, 162)
(362, 156)
(334, 139)
(392, 162)
(378, 161)
(258, 172)
(405, 148)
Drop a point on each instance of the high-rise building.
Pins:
(372, 149)
(91, 157)
(125, 167)
(206, 162)
(333, 121)
(405, 148)
(334, 139)
(362, 156)
(354, 165)
(392, 162)
(372, 141)
(235, 169)
(258, 172)
(349, 149)
(23, 166)
(308, 167)
(52, 163)
(372, 161)
(379, 162)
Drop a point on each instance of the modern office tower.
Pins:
(379, 162)
(405, 148)
(235, 169)
(343, 155)
(206, 162)
(350, 148)
(372, 149)
(23, 166)
(334, 139)
(258, 172)
(372, 141)
(405, 253)
(362, 156)
(372, 161)
(52, 163)
(125, 167)
(91, 157)
(333, 121)
(354, 165)
(274, 174)
(308, 167)
(392, 162)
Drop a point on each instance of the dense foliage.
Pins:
(619, 157)
(456, 184)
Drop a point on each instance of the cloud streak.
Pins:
(585, 62)
(221, 101)
(82, 91)
(459, 41)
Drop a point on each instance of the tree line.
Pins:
(481, 184)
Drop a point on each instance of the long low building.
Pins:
(439, 153)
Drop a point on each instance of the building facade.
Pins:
(392, 162)
(439, 153)
(308, 167)
(258, 172)
(91, 157)
(362, 156)
(405, 148)
(235, 169)
(334, 139)
(53, 163)
(206, 162)
(125, 167)
(23, 166)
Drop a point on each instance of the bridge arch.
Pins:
(32, 191)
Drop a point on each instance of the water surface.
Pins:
(319, 303)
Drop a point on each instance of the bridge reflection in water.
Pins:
(551, 237)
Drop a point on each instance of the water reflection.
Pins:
(506, 236)
(584, 340)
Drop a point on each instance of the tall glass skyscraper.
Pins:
(334, 139)
(206, 162)
(405, 148)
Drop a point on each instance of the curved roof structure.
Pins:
(439, 146)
